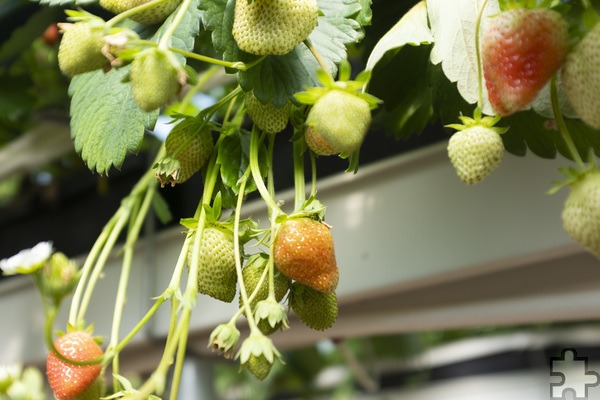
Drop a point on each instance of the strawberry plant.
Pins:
(514, 85)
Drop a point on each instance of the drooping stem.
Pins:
(256, 175)
(562, 126)
(132, 11)
(317, 56)
(165, 40)
(238, 259)
(299, 181)
(125, 272)
(478, 56)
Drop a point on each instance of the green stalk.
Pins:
(126, 271)
(478, 55)
(256, 175)
(202, 80)
(313, 168)
(165, 40)
(318, 57)
(88, 267)
(101, 262)
(132, 11)
(562, 126)
(299, 180)
(236, 244)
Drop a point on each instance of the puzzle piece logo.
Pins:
(575, 380)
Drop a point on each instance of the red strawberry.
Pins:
(69, 380)
(303, 251)
(521, 50)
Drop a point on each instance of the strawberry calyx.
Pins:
(479, 120)
(355, 87)
(572, 175)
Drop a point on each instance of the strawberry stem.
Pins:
(318, 57)
(299, 181)
(132, 11)
(256, 174)
(478, 56)
(236, 248)
(164, 41)
(562, 126)
(129, 249)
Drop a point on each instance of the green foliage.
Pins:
(234, 158)
(106, 123)
(277, 78)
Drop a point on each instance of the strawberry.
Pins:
(251, 275)
(317, 310)
(154, 15)
(581, 212)
(217, 275)
(520, 50)
(67, 380)
(156, 77)
(191, 145)
(80, 48)
(338, 122)
(581, 78)
(317, 143)
(259, 366)
(477, 148)
(267, 117)
(50, 35)
(275, 27)
(303, 251)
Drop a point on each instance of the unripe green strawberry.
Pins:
(581, 212)
(69, 380)
(156, 78)
(275, 27)
(475, 152)
(259, 366)
(303, 251)
(191, 145)
(581, 78)
(317, 310)
(341, 119)
(251, 275)
(520, 50)
(266, 116)
(151, 16)
(217, 275)
(80, 48)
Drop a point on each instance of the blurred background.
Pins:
(446, 291)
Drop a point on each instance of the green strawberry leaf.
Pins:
(184, 36)
(453, 27)
(234, 158)
(277, 78)
(106, 123)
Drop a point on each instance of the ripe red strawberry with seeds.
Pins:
(303, 251)
(69, 380)
(521, 49)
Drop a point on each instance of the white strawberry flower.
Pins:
(27, 261)
(8, 374)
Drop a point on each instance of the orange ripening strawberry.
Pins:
(303, 251)
(69, 380)
(521, 49)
